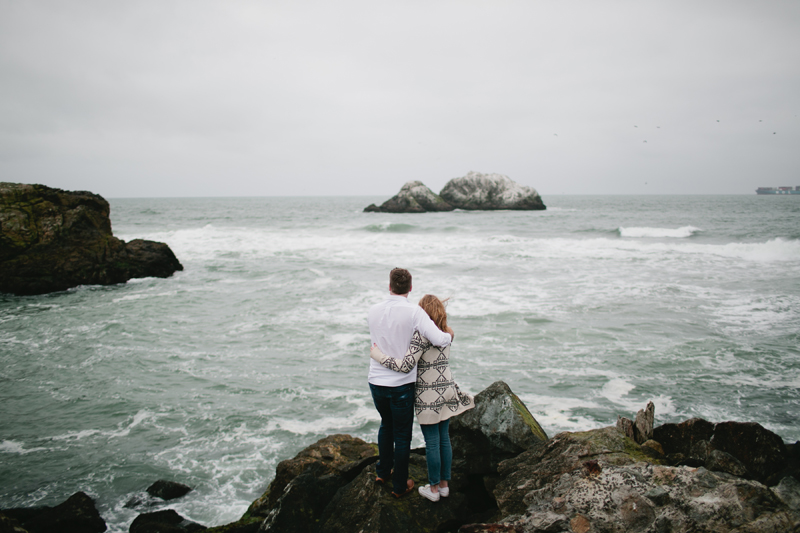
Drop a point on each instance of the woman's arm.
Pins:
(408, 362)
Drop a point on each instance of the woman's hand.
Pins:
(451, 332)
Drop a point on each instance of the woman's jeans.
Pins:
(396, 407)
(438, 452)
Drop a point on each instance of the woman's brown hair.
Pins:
(435, 309)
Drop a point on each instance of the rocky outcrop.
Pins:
(414, 197)
(304, 486)
(365, 506)
(498, 428)
(640, 430)
(475, 191)
(508, 476)
(490, 192)
(52, 240)
(330, 486)
(743, 449)
(608, 490)
(76, 515)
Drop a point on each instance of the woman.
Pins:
(437, 398)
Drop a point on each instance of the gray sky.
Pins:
(263, 98)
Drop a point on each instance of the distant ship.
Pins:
(778, 190)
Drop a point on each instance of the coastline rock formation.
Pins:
(414, 197)
(52, 240)
(508, 476)
(477, 191)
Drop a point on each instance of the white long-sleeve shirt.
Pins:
(392, 323)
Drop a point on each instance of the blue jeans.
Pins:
(396, 407)
(438, 452)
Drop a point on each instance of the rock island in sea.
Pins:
(52, 240)
(475, 191)
(509, 476)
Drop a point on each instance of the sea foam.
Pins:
(677, 233)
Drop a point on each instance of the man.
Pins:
(392, 324)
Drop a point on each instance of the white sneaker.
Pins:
(444, 492)
(426, 491)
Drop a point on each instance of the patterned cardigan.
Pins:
(438, 397)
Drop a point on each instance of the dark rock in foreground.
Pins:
(330, 486)
(739, 448)
(303, 486)
(414, 197)
(52, 240)
(76, 515)
(166, 521)
(365, 506)
(509, 477)
(477, 191)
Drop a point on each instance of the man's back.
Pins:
(392, 323)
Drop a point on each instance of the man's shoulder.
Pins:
(393, 302)
(379, 305)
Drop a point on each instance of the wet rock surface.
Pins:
(168, 490)
(52, 240)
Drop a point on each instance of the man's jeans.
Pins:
(396, 407)
(438, 452)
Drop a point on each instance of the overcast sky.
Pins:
(273, 98)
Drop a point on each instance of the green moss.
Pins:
(536, 429)
(228, 527)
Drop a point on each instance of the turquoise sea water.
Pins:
(260, 346)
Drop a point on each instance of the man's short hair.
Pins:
(400, 281)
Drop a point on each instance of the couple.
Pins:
(403, 335)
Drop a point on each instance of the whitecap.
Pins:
(773, 250)
(122, 431)
(140, 296)
(138, 418)
(14, 447)
(615, 389)
(327, 424)
(678, 233)
(76, 435)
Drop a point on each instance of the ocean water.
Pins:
(260, 346)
